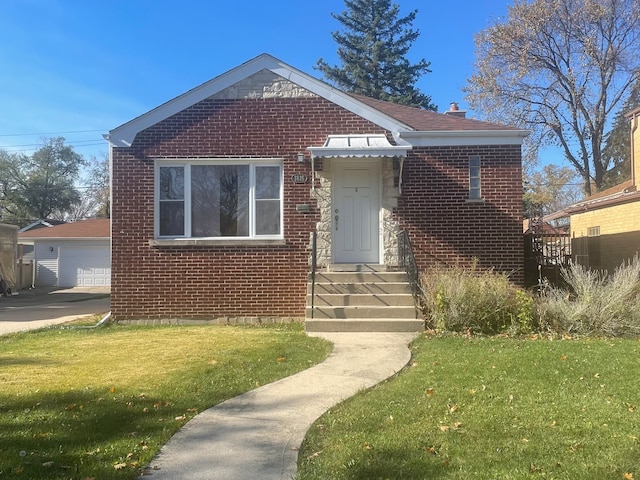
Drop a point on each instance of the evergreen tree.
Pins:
(617, 149)
(372, 49)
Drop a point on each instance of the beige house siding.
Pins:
(604, 237)
(612, 220)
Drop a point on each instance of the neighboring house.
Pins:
(605, 227)
(25, 251)
(216, 193)
(71, 254)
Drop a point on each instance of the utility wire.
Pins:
(47, 133)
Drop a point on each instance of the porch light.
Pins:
(301, 158)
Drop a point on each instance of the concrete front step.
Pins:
(362, 299)
(361, 288)
(364, 325)
(360, 277)
(404, 312)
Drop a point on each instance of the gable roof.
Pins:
(409, 126)
(95, 228)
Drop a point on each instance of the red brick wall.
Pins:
(211, 281)
(445, 228)
(204, 282)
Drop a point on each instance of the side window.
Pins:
(171, 201)
(268, 204)
(475, 192)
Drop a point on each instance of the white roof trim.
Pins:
(33, 224)
(374, 145)
(439, 138)
(124, 135)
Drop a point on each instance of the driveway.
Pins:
(42, 307)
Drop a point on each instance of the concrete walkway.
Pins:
(257, 435)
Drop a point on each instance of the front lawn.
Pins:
(83, 403)
(490, 408)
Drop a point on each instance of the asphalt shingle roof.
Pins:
(426, 120)
(93, 228)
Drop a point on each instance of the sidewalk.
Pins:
(257, 435)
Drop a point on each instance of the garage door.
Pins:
(85, 267)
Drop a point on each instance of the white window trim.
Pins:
(187, 239)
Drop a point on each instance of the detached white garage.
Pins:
(76, 254)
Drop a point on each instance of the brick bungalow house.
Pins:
(216, 194)
(605, 227)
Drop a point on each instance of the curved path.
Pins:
(257, 435)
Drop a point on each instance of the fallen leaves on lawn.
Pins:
(314, 455)
(446, 428)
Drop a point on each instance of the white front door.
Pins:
(356, 211)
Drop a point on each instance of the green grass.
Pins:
(489, 408)
(99, 403)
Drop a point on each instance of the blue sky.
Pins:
(78, 68)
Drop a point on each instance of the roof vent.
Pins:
(454, 110)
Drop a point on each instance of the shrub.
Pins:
(595, 303)
(476, 301)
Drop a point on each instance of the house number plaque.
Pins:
(299, 178)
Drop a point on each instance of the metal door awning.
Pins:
(358, 145)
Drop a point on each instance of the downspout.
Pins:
(104, 320)
(634, 127)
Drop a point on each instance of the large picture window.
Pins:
(219, 199)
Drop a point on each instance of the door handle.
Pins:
(336, 218)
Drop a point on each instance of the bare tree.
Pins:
(94, 201)
(552, 187)
(559, 68)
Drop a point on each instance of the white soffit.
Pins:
(373, 145)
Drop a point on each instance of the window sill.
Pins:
(477, 200)
(205, 242)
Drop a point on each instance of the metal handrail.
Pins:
(407, 260)
(314, 254)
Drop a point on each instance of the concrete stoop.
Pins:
(361, 298)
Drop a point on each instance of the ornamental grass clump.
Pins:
(595, 303)
(472, 300)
